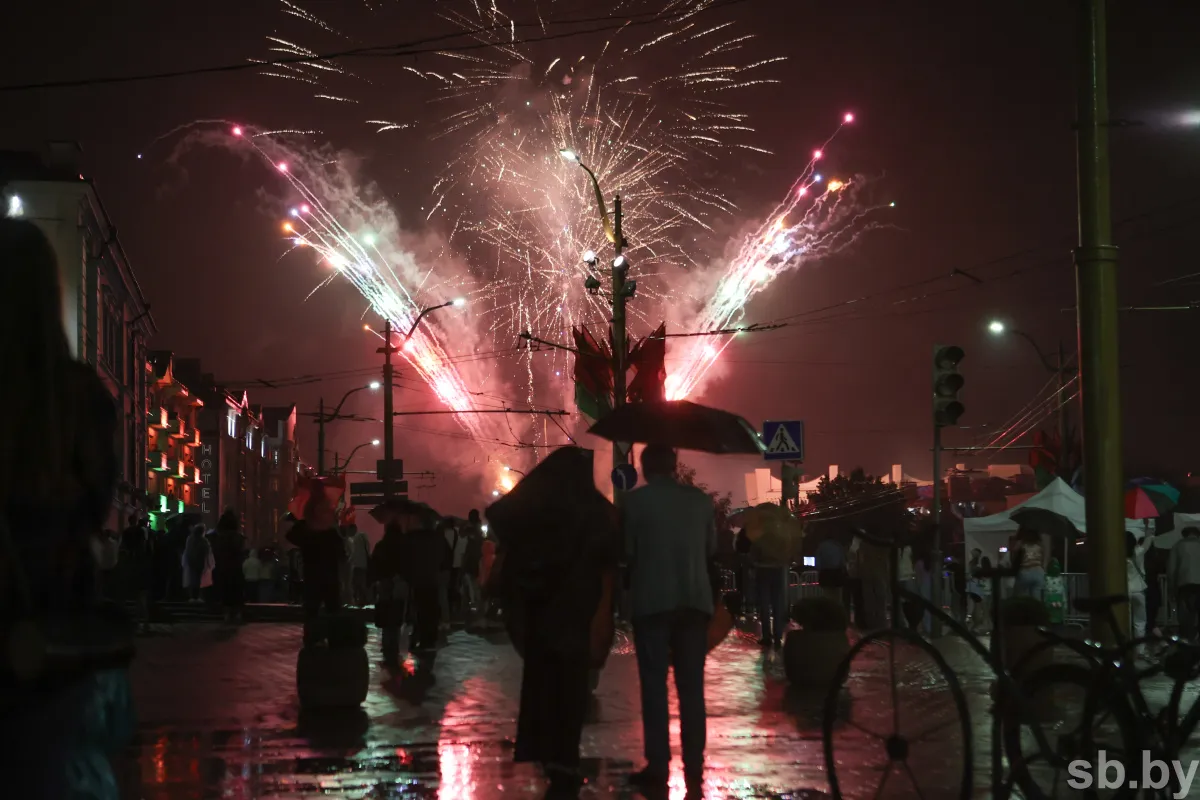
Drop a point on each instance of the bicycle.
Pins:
(896, 746)
(1113, 704)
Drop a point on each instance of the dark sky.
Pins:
(964, 120)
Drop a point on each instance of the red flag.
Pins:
(593, 374)
(334, 488)
(649, 360)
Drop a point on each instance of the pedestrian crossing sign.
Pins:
(784, 440)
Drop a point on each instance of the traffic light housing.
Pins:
(947, 383)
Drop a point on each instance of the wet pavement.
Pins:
(219, 718)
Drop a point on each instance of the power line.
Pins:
(410, 48)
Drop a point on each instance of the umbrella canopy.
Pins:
(402, 507)
(1156, 485)
(774, 529)
(681, 424)
(1044, 521)
(1147, 502)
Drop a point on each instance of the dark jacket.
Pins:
(387, 561)
(426, 553)
(321, 552)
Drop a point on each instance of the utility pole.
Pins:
(1064, 447)
(619, 268)
(1096, 279)
(321, 437)
(388, 442)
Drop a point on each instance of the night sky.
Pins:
(964, 116)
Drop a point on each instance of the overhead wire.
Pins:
(413, 47)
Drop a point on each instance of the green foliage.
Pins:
(854, 485)
(1024, 611)
(820, 614)
(857, 499)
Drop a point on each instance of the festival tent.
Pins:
(1168, 539)
(992, 532)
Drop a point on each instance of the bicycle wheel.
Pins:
(913, 738)
(1065, 713)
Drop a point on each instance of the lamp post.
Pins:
(510, 469)
(1057, 368)
(621, 289)
(322, 418)
(346, 463)
(387, 350)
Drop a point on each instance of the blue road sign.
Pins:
(624, 477)
(784, 440)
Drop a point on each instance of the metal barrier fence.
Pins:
(1076, 586)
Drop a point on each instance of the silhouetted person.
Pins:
(427, 559)
(62, 720)
(229, 549)
(558, 540)
(386, 571)
(322, 553)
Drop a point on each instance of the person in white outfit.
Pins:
(1135, 579)
(252, 576)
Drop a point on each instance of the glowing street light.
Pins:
(996, 327)
(459, 302)
(373, 385)
(569, 155)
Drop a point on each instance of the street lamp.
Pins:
(510, 469)
(1058, 369)
(346, 463)
(322, 418)
(621, 289)
(387, 350)
(998, 328)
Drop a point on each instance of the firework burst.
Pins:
(642, 100)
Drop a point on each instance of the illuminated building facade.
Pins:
(106, 317)
(173, 443)
(246, 455)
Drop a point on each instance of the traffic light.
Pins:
(947, 383)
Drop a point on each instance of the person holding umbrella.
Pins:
(558, 551)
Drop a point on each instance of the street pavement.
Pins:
(219, 718)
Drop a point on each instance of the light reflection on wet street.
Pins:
(219, 718)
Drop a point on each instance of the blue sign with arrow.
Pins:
(784, 440)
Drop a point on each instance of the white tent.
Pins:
(992, 532)
(1168, 540)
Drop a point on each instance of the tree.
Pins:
(858, 499)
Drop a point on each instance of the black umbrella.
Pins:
(402, 506)
(681, 424)
(1044, 521)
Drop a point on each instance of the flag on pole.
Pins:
(593, 375)
(648, 359)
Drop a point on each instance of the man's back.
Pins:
(670, 534)
(1184, 564)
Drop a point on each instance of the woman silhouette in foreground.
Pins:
(62, 717)
(558, 547)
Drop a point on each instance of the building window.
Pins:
(231, 423)
(250, 438)
(112, 333)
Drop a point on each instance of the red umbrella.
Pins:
(1142, 502)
